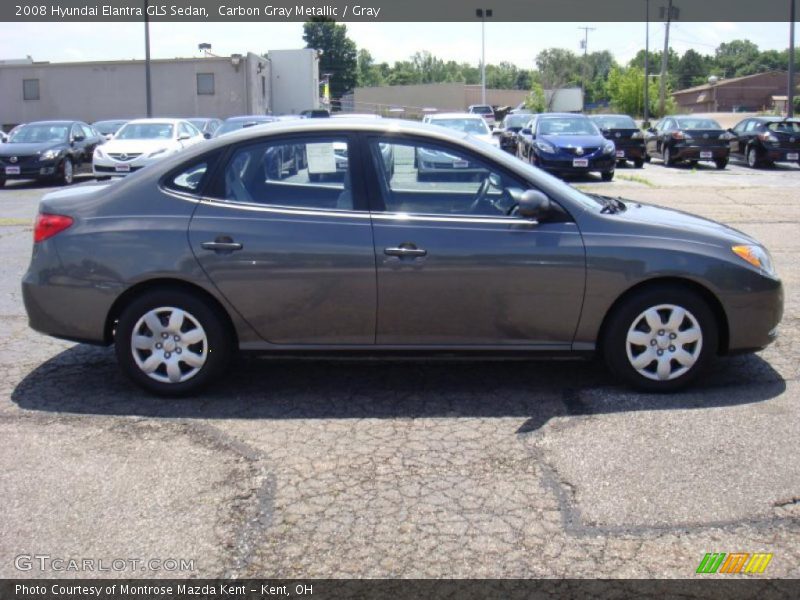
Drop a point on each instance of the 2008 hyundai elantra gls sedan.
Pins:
(209, 252)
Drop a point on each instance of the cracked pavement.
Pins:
(316, 469)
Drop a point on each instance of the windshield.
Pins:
(698, 124)
(106, 127)
(785, 126)
(567, 126)
(482, 110)
(473, 126)
(516, 121)
(615, 122)
(145, 131)
(36, 134)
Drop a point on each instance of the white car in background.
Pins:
(472, 124)
(141, 142)
(436, 164)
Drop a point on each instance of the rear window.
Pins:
(785, 126)
(698, 124)
(615, 122)
(482, 110)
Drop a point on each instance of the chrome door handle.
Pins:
(221, 245)
(405, 251)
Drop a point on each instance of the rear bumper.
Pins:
(636, 152)
(783, 155)
(698, 152)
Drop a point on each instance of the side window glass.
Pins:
(742, 126)
(87, 131)
(420, 178)
(76, 131)
(189, 179)
(751, 126)
(312, 174)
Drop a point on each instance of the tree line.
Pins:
(605, 80)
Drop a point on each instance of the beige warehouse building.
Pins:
(282, 82)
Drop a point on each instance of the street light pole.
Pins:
(585, 45)
(790, 86)
(647, 63)
(148, 89)
(483, 14)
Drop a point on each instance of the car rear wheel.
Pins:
(638, 163)
(66, 176)
(660, 339)
(667, 156)
(2, 181)
(172, 343)
(607, 175)
(752, 157)
(721, 163)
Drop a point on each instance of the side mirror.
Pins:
(651, 130)
(207, 135)
(497, 131)
(604, 131)
(533, 204)
(183, 136)
(730, 130)
(78, 138)
(526, 131)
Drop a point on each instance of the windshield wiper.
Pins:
(610, 205)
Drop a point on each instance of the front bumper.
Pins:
(30, 170)
(108, 167)
(754, 314)
(561, 164)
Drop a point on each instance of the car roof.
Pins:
(264, 118)
(355, 115)
(171, 121)
(454, 115)
(609, 115)
(54, 122)
(562, 115)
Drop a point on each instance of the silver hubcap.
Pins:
(169, 345)
(664, 342)
(68, 170)
(751, 157)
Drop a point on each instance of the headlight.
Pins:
(157, 152)
(756, 256)
(98, 153)
(637, 135)
(726, 136)
(49, 154)
(545, 147)
(608, 147)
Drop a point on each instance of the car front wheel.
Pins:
(660, 339)
(721, 163)
(667, 157)
(66, 175)
(752, 157)
(172, 343)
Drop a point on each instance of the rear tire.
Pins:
(638, 163)
(721, 163)
(172, 343)
(2, 182)
(607, 175)
(660, 339)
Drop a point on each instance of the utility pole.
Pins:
(647, 63)
(148, 89)
(585, 46)
(668, 14)
(790, 86)
(483, 14)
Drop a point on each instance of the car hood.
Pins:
(28, 149)
(136, 146)
(683, 224)
(573, 141)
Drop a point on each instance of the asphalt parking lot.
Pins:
(410, 469)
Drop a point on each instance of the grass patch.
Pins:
(636, 179)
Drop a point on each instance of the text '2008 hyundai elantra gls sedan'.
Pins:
(216, 250)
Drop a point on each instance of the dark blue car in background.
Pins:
(571, 144)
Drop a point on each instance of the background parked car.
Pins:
(432, 163)
(206, 126)
(762, 141)
(141, 142)
(237, 123)
(566, 143)
(109, 127)
(525, 138)
(627, 137)
(48, 150)
(484, 110)
(511, 125)
(688, 138)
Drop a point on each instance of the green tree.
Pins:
(369, 74)
(625, 90)
(692, 69)
(339, 55)
(536, 101)
(736, 58)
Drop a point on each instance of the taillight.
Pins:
(46, 226)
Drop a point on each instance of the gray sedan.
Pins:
(208, 253)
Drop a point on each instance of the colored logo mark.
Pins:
(735, 562)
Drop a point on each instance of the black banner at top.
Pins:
(394, 10)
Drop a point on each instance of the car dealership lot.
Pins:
(336, 469)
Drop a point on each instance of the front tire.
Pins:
(607, 175)
(752, 158)
(660, 339)
(721, 163)
(67, 174)
(667, 157)
(638, 163)
(172, 343)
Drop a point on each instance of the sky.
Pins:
(517, 43)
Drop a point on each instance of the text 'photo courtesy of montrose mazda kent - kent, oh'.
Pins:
(225, 248)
